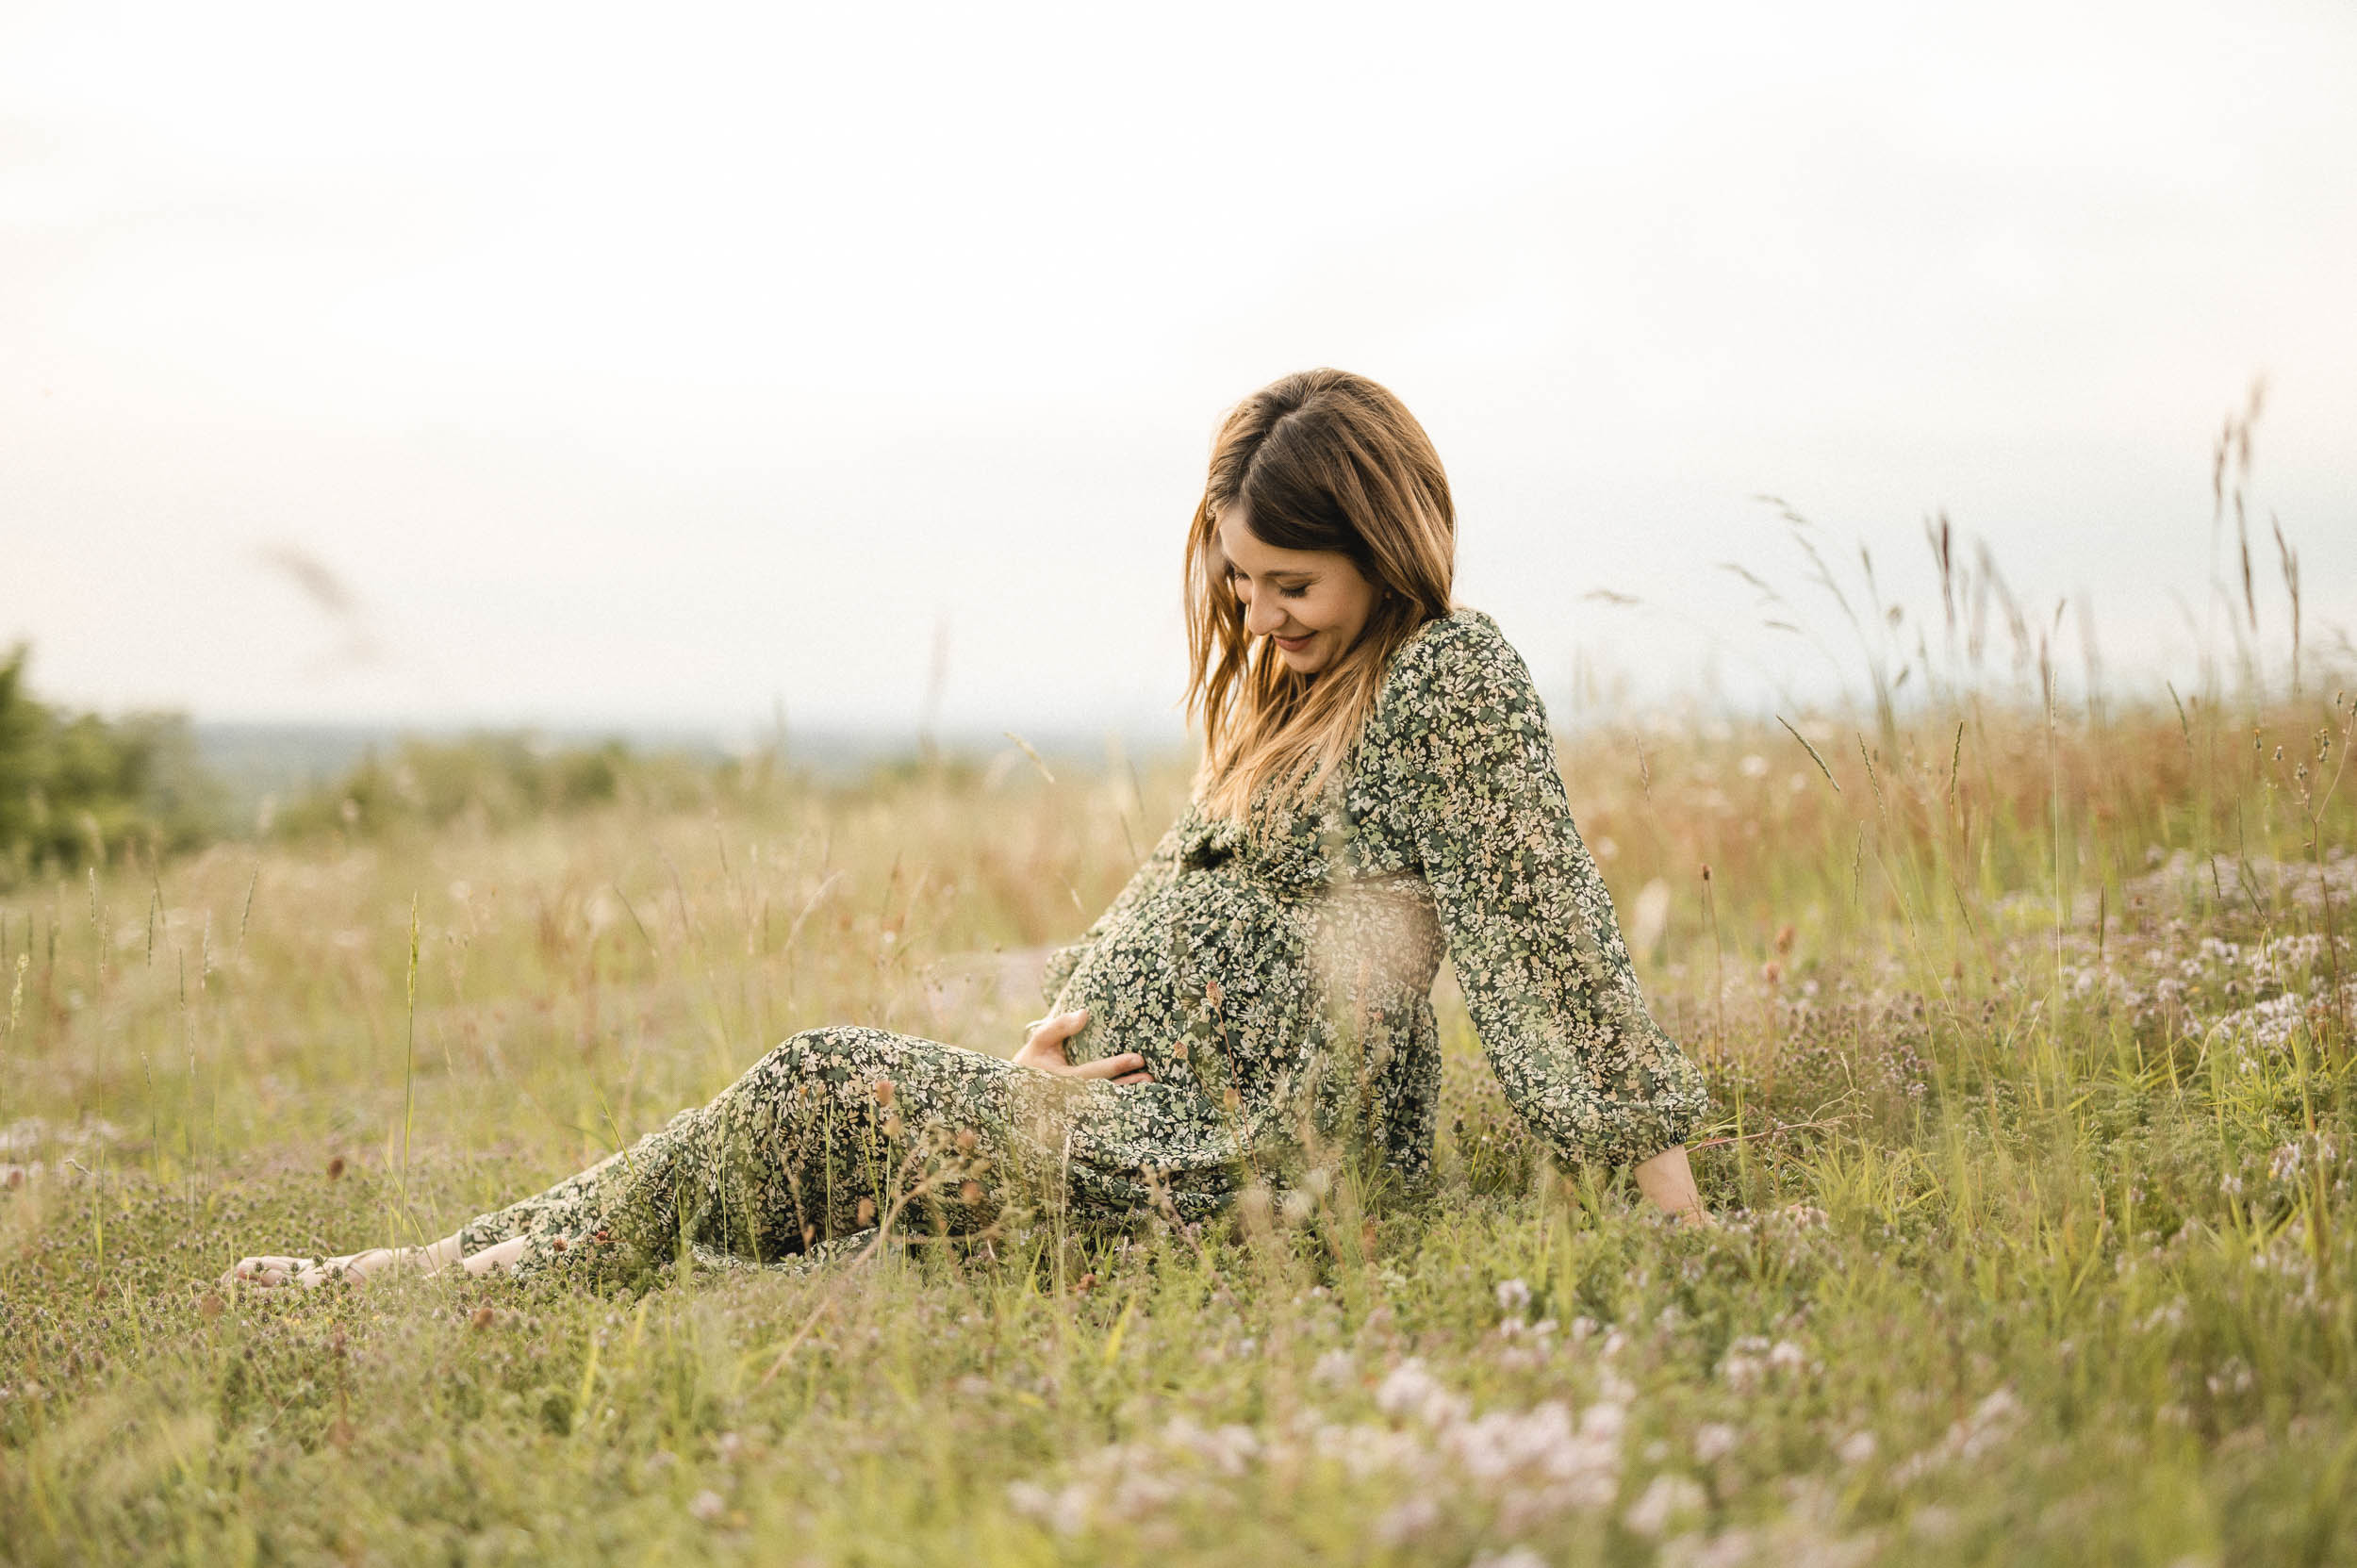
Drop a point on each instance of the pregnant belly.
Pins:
(1206, 980)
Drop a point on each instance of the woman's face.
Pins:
(1312, 604)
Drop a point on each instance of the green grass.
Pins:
(2032, 1161)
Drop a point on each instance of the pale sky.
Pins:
(662, 364)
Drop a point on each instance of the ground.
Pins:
(2028, 1036)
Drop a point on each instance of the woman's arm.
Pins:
(1459, 762)
(1152, 875)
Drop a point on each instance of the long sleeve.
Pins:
(1152, 875)
(1464, 770)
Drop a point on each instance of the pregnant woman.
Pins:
(1378, 784)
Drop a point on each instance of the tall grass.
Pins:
(2028, 1022)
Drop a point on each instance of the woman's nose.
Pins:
(1260, 622)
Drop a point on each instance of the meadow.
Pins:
(2026, 1017)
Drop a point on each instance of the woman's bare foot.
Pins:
(265, 1271)
(352, 1268)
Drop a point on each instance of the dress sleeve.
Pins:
(1475, 797)
(1152, 875)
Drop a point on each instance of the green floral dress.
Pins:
(1277, 978)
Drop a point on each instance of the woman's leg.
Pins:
(572, 1210)
(843, 1129)
(828, 1134)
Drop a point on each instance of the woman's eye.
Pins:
(1294, 592)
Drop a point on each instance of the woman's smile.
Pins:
(1320, 593)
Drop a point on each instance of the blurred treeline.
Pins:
(493, 779)
(77, 789)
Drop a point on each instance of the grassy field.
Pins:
(2027, 1024)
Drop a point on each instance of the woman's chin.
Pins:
(1305, 661)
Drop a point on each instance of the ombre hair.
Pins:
(1319, 460)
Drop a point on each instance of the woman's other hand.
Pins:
(1044, 1051)
(1668, 1180)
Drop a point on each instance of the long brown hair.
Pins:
(1319, 460)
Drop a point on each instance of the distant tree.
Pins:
(76, 787)
(495, 779)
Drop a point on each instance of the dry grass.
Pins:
(2029, 1030)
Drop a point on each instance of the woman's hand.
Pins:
(1044, 1051)
(1668, 1179)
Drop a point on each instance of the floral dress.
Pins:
(1276, 977)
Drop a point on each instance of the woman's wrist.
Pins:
(1667, 1180)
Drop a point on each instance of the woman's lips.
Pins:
(1292, 645)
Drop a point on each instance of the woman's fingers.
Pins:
(1111, 1066)
(1044, 1049)
(1060, 1027)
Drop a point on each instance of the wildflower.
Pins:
(1333, 1369)
(1713, 1442)
(1513, 1557)
(2233, 1378)
(1666, 1499)
(1513, 1296)
(1744, 1363)
(1857, 1448)
(1407, 1520)
(708, 1506)
(1411, 1391)
(1225, 1448)
(1992, 1421)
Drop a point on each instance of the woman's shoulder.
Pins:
(1461, 652)
(1458, 683)
(1457, 705)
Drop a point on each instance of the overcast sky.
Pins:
(541, 363)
